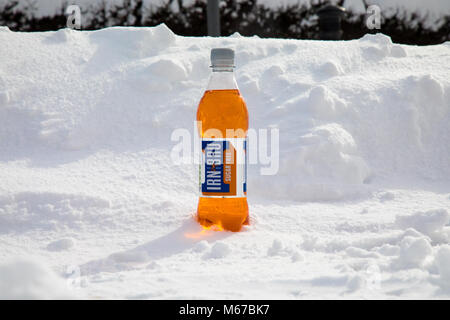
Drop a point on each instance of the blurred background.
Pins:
(420, 22)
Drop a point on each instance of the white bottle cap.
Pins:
(222, 57)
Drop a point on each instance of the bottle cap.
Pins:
(222, 57)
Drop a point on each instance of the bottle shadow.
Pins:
(183, 238)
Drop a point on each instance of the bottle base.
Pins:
(227, 213)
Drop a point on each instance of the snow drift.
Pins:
(85, 126)
(31, 279)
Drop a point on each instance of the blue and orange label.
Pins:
(223, 169)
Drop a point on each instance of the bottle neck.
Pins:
(222, 78)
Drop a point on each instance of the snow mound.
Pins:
(431, 223)
(219, 250)
(30, 279)
(356, 206)
(442, 262)
(133, 86)
(413, 252)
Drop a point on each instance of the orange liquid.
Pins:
(222, 110)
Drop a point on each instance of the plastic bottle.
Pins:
(222, 126)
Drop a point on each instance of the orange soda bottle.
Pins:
(222, 122)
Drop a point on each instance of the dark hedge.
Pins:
(298, 21)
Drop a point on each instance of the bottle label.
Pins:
(223, 169)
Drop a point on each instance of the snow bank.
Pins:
(343, 124)
(358, 208)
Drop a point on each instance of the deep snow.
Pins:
(92, 206)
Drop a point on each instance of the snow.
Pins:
(31, 279)
(431, 223)
(413, 252)
(218, 251)
(442, 261)
(92, 206)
